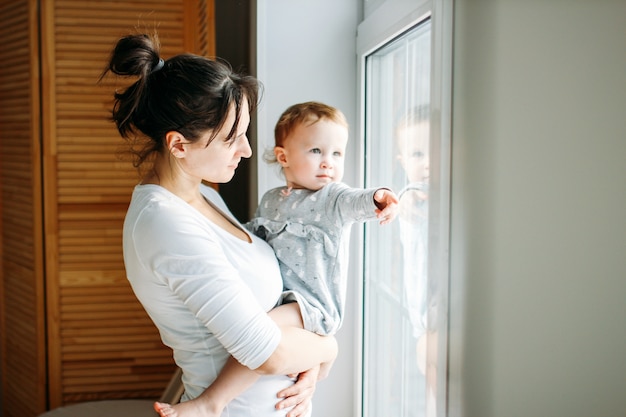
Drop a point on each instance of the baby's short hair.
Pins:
(308, 112)
(303, 113)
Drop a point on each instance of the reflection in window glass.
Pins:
(400, 299)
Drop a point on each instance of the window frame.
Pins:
(381, 25)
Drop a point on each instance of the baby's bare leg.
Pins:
(232, 380)
(287, 315)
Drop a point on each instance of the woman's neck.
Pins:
(166, 174)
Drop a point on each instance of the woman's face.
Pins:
(414, 151)
(218, 161)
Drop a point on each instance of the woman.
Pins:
(206, 283)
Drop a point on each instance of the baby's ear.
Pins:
(281, 155)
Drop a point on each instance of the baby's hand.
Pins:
(387, 205)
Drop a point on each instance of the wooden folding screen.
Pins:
(71, 329)
(22, 315)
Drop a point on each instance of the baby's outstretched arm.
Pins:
(387, 205)
(232, 380)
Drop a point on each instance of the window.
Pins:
(405, 263)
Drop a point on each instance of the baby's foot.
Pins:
(164, 409)
(184, 409)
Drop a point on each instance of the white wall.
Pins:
(306, 50)
(539, 202)
(538, 234)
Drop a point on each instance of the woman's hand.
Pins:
(300, 394)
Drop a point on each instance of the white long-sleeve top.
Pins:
(206, 291)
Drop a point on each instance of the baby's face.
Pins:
(414, 151)
(314, 154)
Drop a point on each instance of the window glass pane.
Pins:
(400, 303)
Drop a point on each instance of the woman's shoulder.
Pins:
(153, 206)
(155, 214)
(146, 197)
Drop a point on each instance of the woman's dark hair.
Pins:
(187, 93)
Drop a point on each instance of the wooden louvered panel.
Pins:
(93, 354)
(100, 342)
(205, 18)
(22, 319)
(104, 324)
(22, 340)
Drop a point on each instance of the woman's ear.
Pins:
(281, 155)
(174, 141)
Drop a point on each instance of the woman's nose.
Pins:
(245, 150)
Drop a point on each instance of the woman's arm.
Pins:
(300, 394)
(235, 378)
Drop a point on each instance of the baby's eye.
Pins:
(316, 150)
(337, 153)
